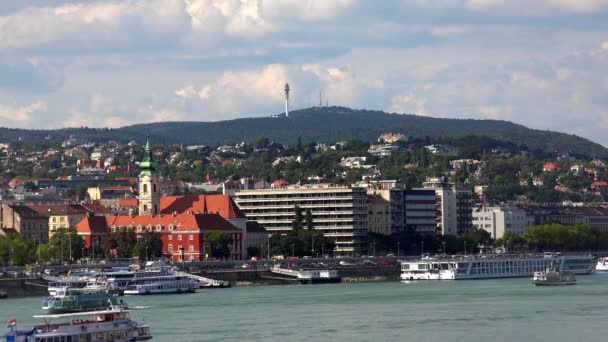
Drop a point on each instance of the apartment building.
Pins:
(420, 210)
(498, 220)
(454, 206)
(339, 211)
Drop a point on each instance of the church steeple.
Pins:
(147, 164)
(149, 195)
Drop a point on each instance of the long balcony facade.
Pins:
(340, 212)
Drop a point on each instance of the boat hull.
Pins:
(320, 281)
(541, 283)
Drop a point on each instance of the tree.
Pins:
(123, 241)
(42, 252)
(296, 224)
(150, 246)
(219, 244)
(309, 222)
(66, 242)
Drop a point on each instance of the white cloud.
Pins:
(93, 26)
(20, 116)
(408, 104)
(151, 114)
(101, 103)
(83, 119)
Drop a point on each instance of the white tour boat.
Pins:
(602, 265)
(161, 285)
(493, 266)
(95, 326)
(66, 282)
(552, 277)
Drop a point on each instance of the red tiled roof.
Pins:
(128, 202)
(221, 204)
(96, 207)
(58, 209)
(280, 182)
(117, 187)
(598, 184)
(181, 222)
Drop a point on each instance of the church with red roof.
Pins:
(181, 221)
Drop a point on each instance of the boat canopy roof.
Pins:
(85, 313)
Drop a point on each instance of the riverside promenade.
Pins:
(236, 272)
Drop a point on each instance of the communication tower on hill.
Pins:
(286, 100)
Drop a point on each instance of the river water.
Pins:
(465, 310)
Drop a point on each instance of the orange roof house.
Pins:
(550, 167)
(183, 235)
(221, 204)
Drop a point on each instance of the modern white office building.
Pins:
(498, 220)
(454, 206)
(339, 211)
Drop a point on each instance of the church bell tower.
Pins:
(149, 195)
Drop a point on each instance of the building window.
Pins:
(179, 237)
(145, 208)
(159, 228)
(154, 188)
(191, 248)
(170, 248)
(139, 228)
(145, 188)
(54, 219)
(113, 229)
(191, 237)
(170, 237)
(62, 219)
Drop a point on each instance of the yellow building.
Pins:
(60, 216)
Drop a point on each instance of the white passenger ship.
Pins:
(96, 326)
(161, 285)
(493, 266)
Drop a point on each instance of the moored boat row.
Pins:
(497, 266)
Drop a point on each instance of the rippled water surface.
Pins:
(473, 310)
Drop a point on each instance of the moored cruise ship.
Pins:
(494, 266)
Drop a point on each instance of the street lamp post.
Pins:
(322, 250)
(70, 246)
(398, 248)
(422, 249)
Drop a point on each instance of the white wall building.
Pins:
(340, 212)
(500, 220)
(454, 204)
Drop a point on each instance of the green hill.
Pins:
(325, 124)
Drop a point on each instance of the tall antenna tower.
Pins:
(287, 100)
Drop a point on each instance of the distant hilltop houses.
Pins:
(350, 190)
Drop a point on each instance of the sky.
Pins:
(111, 63)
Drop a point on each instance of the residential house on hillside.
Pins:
(392, 138)
(355, 162)
(440, 148)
